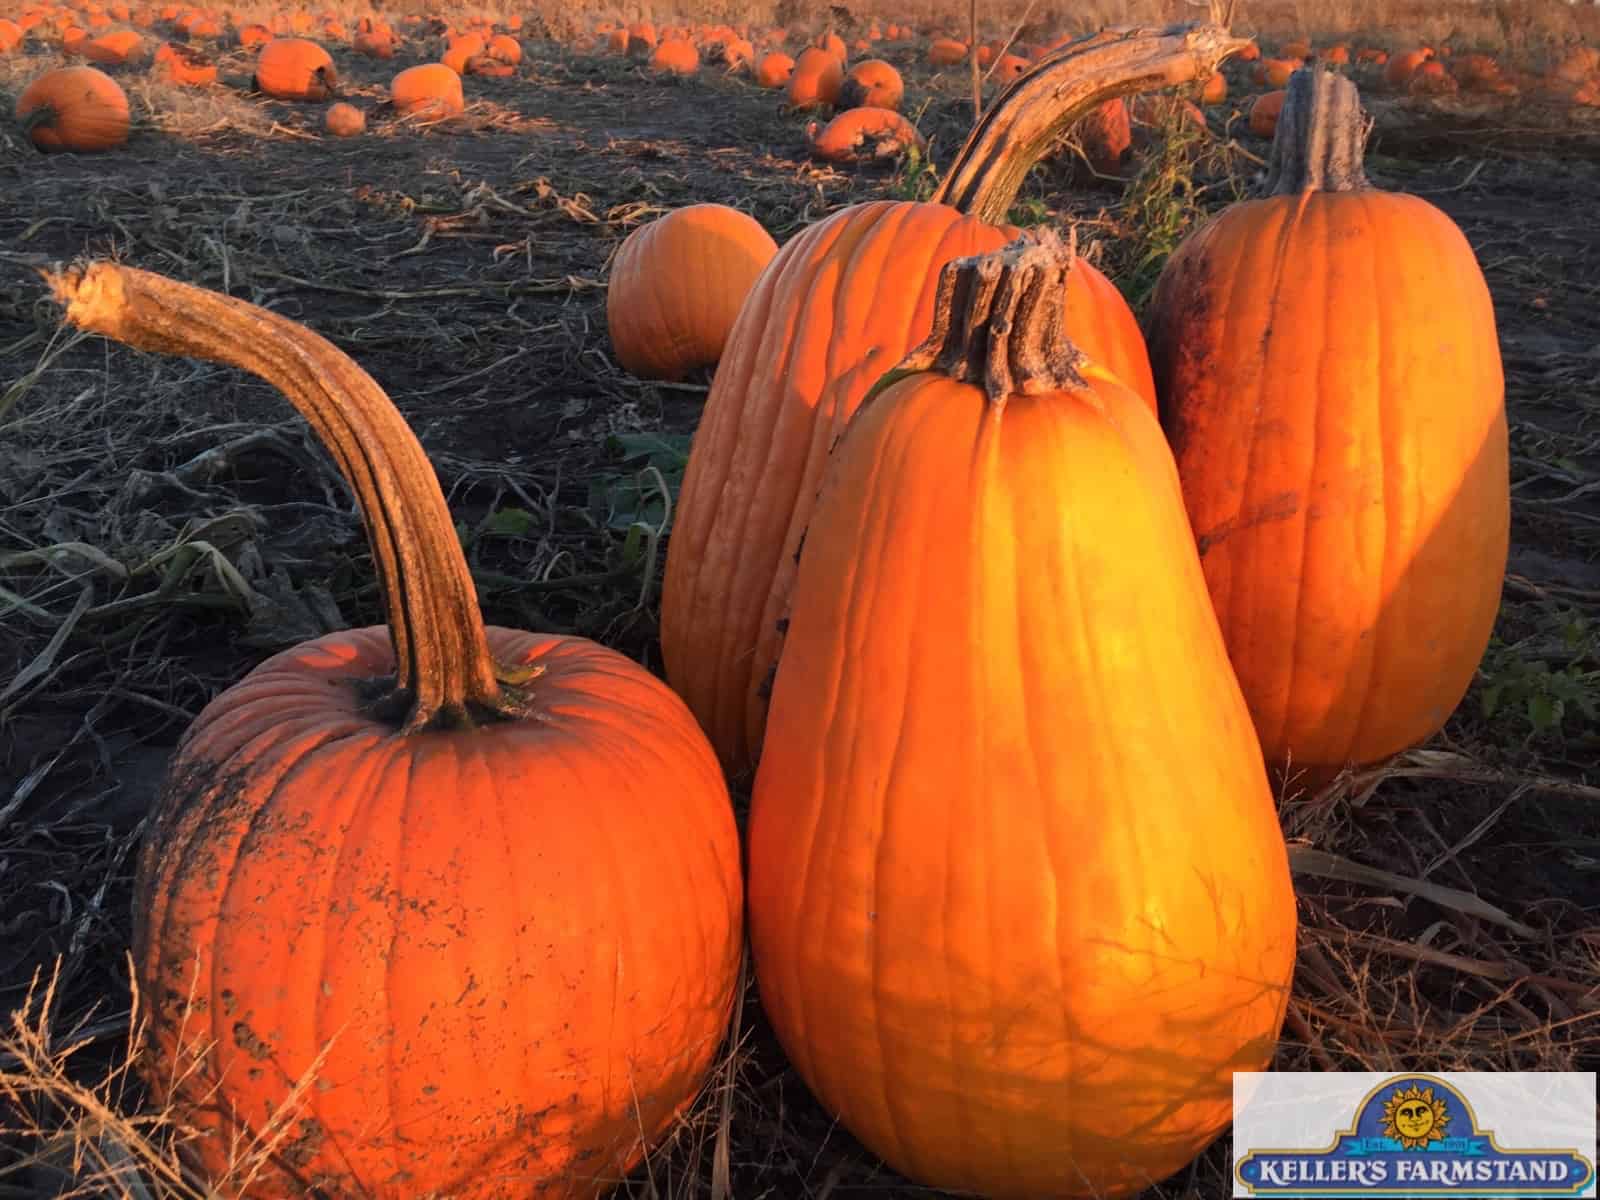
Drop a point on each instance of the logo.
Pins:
(1418, 1135)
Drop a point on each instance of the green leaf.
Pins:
(1545, 712)
(508, 522)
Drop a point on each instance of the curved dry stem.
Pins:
(1025, 122)
(444, 669)
(998, 321)
(1321, 137)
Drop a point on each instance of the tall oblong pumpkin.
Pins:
(1330, 381)
(1018, 898)
(839, 305)
(431, 909)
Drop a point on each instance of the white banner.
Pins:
(1362, 1134)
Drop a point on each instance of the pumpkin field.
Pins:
(848, 724)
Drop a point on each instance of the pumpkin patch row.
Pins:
(1006, 607)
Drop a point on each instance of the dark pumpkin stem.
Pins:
(1027, 120)
(444, 673)
(998, 321)
(1321, 136)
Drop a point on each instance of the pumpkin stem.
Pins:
(444, 672)
(1029, 117)
(998, 320)
(1321, 136)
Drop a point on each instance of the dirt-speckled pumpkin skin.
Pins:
(518, 949)
(1019, 903)
(1331, 384)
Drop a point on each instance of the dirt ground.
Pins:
(165, 525)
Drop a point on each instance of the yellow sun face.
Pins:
(1414, 1117)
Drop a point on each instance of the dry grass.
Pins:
(164, 525)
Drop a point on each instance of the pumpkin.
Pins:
(505, 48)
(344, 120)
(10, 35)
(774, 69)
(294, 68)
(1342, 445)
(253, 37)
(946, 52)
(1010, 66)
(182, 64)
(1106, 135)
(475, 891)
(832, 43)
(115, 49)
(74, 108)
(840, 304)
(1215, 90)
(872, 83)
(675, 56)
(817, 79)
(676, 287)
(1264, 110)
(641, 40)
(998, 935)
(1400, 68)
(863, 135)
(427, 90)
(1275, 72)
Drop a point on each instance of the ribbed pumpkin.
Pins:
(677, 285)
(872, 84)
(74, 108)
(490, 877)
(1018, 899)
(863, 135)
(427, 90)
(295, 69)
(841, 304)
(774, 69)
(1330, 381)
(817, 78)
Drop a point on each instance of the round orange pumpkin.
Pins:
(860, 284)
(295, 69)
(872, 84)
(817, 79)
(344, 120)
(427, 90)
(996, 933)
(676, 287)
(1330, 380)
(774, 69)
(434, 909)
(74, 108)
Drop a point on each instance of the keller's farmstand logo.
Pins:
(1415, 1135)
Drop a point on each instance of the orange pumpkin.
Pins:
(505, 48)
(1106, 135)
(861, 284)
(344, 120)
(115, 49)
(863, 135)
(946, 52)
(1399, 70)
(995, 933)
(872, 84)
(459, 907)
(676, 287)
(1215, 90)
(10, 35)
(428, 90)
(1342, 448)
(774, 69)
(817, 79)
(252, 37)
(294, 68)
(1009, 67)
(1264, 110)
(675, 56)
(74, 108)
(181, 63)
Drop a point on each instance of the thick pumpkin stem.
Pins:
(445, 673)
(1321, 136)
(1030, 116)
(998, 321)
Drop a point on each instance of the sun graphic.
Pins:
(1414, 1117)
